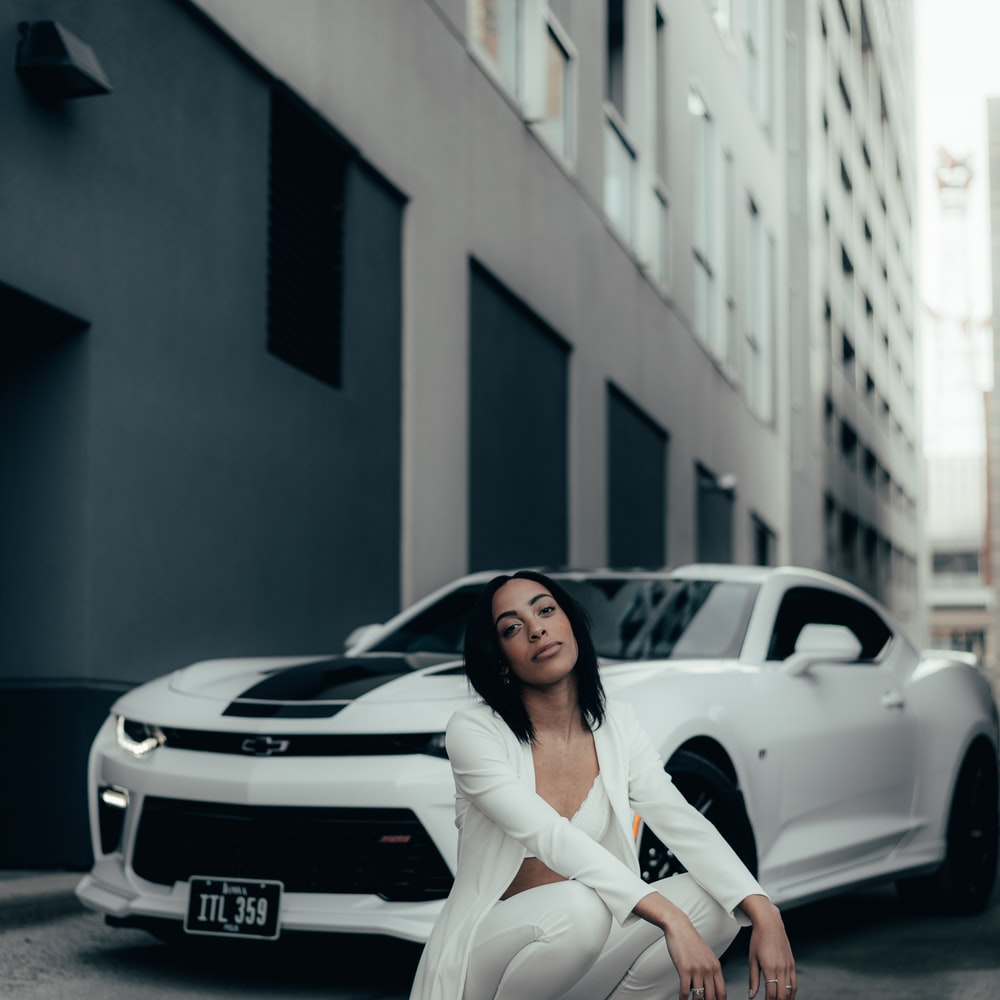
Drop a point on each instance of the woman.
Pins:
(547, 901)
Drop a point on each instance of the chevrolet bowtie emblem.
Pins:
(263, 746)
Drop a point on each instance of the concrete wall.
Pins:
(398, 77)
(172, 491)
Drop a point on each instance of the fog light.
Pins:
(115, 796)
(112, 804)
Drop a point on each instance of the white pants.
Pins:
(559, 942)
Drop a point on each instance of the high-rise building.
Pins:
(857, 489)
(957, 373)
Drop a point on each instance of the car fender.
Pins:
(954, 706)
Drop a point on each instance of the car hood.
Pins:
(365, 692)
(307, 692)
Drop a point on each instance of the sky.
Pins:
(957, 68)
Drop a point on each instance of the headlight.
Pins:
(138, 738)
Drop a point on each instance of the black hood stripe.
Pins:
(319, 689)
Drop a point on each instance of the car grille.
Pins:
(385, 852)
(297, 744)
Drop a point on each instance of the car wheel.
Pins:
(717, 798)
(964, 882)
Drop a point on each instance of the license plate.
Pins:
(233, 907)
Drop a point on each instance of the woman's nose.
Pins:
(537, 630)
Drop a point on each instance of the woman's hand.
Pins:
(771, 962)
(697, 966)
(699, 970)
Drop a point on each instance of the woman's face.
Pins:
(535, 635)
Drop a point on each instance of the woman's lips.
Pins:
(549, 649)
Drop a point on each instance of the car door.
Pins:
(840, 736)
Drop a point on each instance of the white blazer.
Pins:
(501, 819)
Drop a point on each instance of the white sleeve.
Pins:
(694, 839)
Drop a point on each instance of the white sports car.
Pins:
(247, 797)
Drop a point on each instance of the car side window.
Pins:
(803, 606)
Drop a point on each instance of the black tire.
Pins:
(717, 798)
(964, 882)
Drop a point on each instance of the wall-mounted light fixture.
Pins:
(55, 65)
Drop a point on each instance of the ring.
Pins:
(788, 986)
(766, 981)
(698, 990)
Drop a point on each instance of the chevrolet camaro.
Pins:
(253, 797)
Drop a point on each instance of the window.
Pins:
(764, 542)
(614, 86)
(619, 179)
(496, 31)
(830, 535)
(957, 566)
(305, 249)
(514, 354)
(558, 116)
(524, 47)
(756, 39)
(848, 443)
(759, 314)
(704, 196)
(848, 540)
(637, 485)
(803, 606)
(661, 96)
(728, 347)
(714, 510)
(660, 259)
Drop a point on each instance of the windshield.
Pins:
(632, 618)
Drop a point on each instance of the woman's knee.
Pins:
(574, 914)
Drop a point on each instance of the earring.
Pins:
(505, 677)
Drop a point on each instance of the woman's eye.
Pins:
(509, 630)
(547, 610)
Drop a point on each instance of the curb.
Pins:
(24, 893)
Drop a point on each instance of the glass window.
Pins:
(759, 315)
(662, 264)
(764, 542)
(803, 606)
(703, 197)
(556, 125)
(758, 15)
(619, 181)
(496, 29)
(632, 618)
(660, 103)
(614, 88)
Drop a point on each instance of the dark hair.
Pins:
(485, 662)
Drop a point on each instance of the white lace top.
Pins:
(594, 815)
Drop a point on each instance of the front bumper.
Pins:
(109, 890)
(362, 845)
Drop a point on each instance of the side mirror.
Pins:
(363, 635)
(822, 644)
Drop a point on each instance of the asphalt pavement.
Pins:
(865, 943)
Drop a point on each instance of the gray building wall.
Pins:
(403, 80)
(172, 490)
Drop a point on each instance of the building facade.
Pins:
(958, 372)
(856, 428)
(329, 302)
